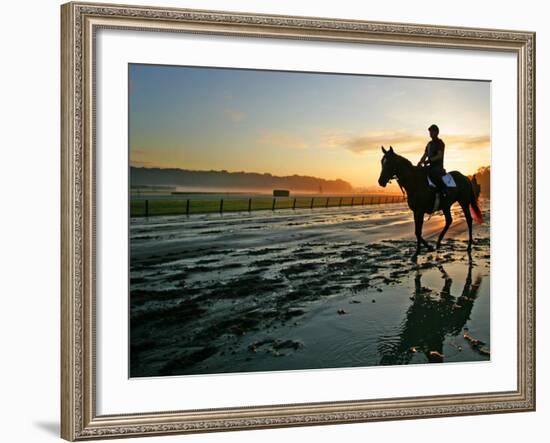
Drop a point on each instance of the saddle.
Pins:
(447, 179)
(449, 182)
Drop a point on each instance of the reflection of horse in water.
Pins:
(429, 319)
(421, 198)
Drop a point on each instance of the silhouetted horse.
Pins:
(420, 197)
(476, 186)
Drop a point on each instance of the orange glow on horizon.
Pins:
(361, 169)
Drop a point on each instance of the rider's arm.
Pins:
(439, 150)
(436, 157)
(424, 157)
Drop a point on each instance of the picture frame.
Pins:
(80, 22)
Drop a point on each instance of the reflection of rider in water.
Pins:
(429, 319)
(432, 160)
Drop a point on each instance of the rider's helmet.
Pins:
(434, 128)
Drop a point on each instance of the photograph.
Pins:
(288, 220)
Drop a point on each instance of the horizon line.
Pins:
(271, 174)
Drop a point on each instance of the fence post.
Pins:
(311, 206)
(352, 198)
(294, 203)
(326, 205)
(249, 204)
(146, 208)
(221, 206)
(273, 206)
(187, 207)
(340, 202)
(363, 201)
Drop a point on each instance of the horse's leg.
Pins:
(428, 247)
(448, 221)
(418, 222)
(466, 209)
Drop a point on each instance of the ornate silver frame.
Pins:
(80, 21)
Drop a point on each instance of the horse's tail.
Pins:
(474, 207)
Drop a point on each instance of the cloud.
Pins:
(468, 142)
(139, 158)
(372, 141)
(234, 115)
(140, 163)
(282, 139)
(402, 141)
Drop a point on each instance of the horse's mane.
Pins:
(404, 160)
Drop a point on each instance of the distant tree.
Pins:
(483, 179)
(239, 180)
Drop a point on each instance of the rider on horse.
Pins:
(432, 160)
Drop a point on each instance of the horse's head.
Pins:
(388, 166)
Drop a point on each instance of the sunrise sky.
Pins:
(325, 125)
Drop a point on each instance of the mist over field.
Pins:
(234, 180)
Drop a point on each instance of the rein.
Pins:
(403, 190)
(401, 187)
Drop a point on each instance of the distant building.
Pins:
(281, 193)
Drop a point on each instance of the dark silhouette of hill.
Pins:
(235, 180)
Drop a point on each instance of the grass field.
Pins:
(200, 204)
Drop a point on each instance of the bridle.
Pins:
(394, 177)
